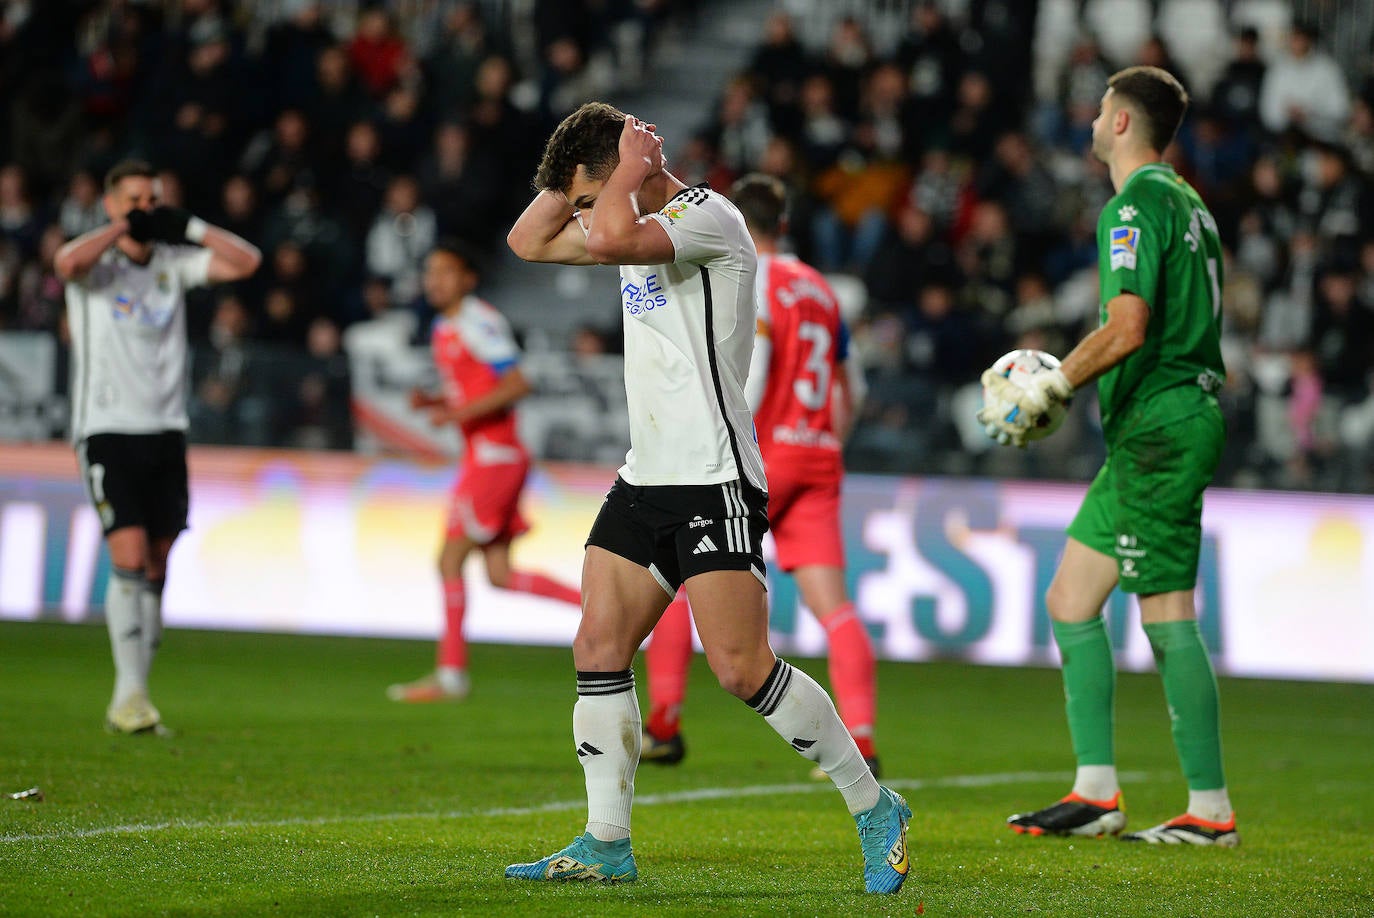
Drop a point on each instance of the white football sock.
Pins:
(150, 614)
(1096, 782)
(124, 620)
(606, 730)
(452, 679)
(1211, 805)
(803, 714)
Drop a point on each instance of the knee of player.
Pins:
(596, 650)
(739, 674)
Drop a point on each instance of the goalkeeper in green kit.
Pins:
(1157, 359)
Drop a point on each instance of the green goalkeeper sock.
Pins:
(1089, 688)
(1190, 688)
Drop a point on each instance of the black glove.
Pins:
(140, 225)
(168, 224)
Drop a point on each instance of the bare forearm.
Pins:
(511, 388)
(76, 257)
(237, 257)
(1128, 317)
(617, 212)
(547, 232)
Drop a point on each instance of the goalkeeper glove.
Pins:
(1012, 410)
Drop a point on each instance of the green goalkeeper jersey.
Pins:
(1157, 240)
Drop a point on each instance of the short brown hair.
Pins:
(589, 137)
(128, 168)
(1157, 96)
(762, 199)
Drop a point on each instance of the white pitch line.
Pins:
(557, 806)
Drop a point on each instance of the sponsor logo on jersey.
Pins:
(697, 523)
(1127, 213)
(644, 296)
(1123, 242)
(128, 309)
(674, 210)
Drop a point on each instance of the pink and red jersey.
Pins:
(801, 316)
(472, 350)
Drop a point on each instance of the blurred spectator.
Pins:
(219, 370)
(973, 123)
(377, 53)
(321, 417)
(239, 209)
(401, 236)
(462, 186)
(47, 127)
(570, 78)
(740, 130)
(821, 133)
(931, 57)
(291, 51)
(18, 217)
(401, 128)
(503, 131)
(1021, 181)
(81, 209)
(279, 159)
(1343, 333)
(336, 103)
(360, 183)
(910, 256)
(1332, 202)
(848, 56)
(451, 67)
(1304, 89)
(1236, 96)
(779, 65)
(40, 292)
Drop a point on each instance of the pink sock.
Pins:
(853, 674)
(666, 660)
(453, 648)
(539, 585)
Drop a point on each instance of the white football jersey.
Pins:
(128, 330)
(689, 334)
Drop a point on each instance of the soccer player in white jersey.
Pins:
(127, 314)
(690, 503)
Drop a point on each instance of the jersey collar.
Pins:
(1147, 169)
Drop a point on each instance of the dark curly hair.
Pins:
(588, 137)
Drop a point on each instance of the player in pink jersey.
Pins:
(803, 396)
(477, 361)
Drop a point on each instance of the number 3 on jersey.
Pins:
(813, 387)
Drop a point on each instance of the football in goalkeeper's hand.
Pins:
(1019, 367)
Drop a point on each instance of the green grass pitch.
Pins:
(293, 787)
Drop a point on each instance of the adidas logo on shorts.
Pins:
(704, 546)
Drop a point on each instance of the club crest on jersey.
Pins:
(1124, 241)
(644, 296)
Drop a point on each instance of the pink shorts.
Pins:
(484, 503)
(804, 516)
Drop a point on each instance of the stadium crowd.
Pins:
(944, 164)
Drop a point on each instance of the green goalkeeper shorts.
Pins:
(1144, 508)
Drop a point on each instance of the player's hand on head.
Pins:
(639, 143)
(140, 225)
(169, 223)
